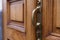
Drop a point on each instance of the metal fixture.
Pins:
(38, 26)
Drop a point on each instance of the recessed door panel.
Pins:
(56, 17)
(16, 12)
(15, 35)
(12, 12)
(58, 13)
(19, 10)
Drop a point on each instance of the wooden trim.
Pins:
(14, 0)
(47, 18)
(54, 15)
(58, 13)
(25, 14)
(50, 37)
(30, 32)
(8, 15)
(55, 34)
(17, 27)
(56, 28)
(4, 2)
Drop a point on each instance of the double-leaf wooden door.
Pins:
(31, 20)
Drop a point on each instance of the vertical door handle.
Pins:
(37, 23)
(33, 13)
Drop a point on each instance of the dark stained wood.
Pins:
(58, 27)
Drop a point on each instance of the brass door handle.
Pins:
(37, 14)
(33, 13)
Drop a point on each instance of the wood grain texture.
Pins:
(19, 27)
(15, 35)
(12, 12)
(30, 32)
(5, 20)
(16, 12)
(58, 14)
(55, 34)
(57, 31)
(52, 38)
(25, 17)
(46, 18)
(56, 17)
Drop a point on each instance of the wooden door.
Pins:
(13, 19)
(51, 20)
(17, 20)
(56, 17)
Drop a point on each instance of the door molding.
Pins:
(5, 11)
(31, 5)
(6, 14)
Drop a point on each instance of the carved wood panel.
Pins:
(58, 14)
(56, 17)
(15, 35)
(16, 11)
